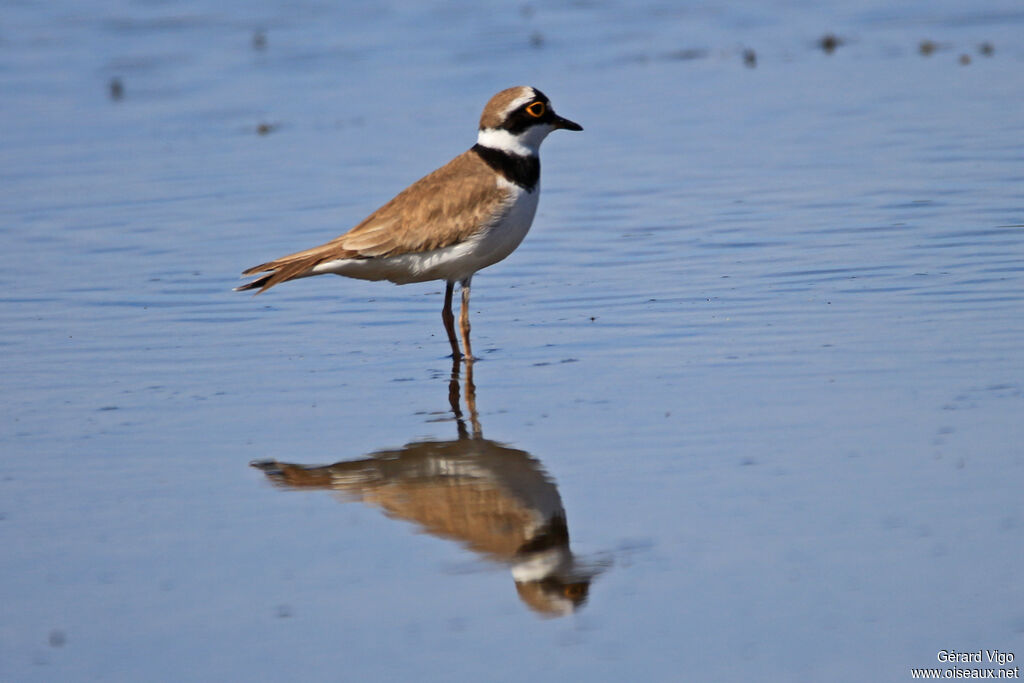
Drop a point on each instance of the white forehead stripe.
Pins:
(528, 94)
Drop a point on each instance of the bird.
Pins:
(495, 500)
(464, 216)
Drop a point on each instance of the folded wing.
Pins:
(441, 209)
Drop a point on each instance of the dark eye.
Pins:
(536, 110)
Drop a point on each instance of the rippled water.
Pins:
(750, 392)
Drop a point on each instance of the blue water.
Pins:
(762, 347)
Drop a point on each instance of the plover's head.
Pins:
(518, 119)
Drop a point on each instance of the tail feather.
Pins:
(258, 283)
(281, 270)
(355, 475)
(294, 476)
(293, 266)
(278, 273)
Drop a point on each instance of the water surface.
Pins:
(761, 348)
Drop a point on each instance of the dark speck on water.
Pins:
(829, 42)
(687, 54)
(749, 58)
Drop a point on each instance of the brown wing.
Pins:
(437, 211)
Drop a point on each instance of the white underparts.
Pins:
(492, 243)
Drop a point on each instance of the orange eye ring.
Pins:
(536, 110)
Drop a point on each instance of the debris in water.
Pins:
(829, 42)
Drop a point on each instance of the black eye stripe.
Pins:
(520, 119)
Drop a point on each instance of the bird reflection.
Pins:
(495, 500)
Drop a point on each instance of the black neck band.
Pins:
(523, 171)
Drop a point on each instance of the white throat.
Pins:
(539, 566)
(524, 144)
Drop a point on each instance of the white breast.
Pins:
(501, 239)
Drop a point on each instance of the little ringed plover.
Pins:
(467, 215)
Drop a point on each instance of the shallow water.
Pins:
(762, 346)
